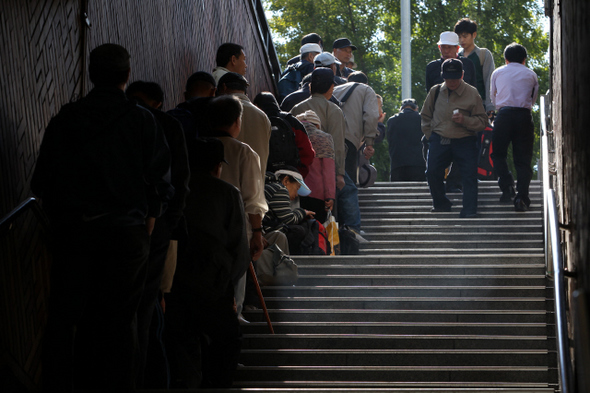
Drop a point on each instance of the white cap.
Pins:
(448, 38)
(310, 48)
(304, 189)
(325, 59)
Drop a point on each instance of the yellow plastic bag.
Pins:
(332, 229)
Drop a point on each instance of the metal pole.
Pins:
(406, 50)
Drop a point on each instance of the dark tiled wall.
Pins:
(43, 51)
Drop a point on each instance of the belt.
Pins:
(514, 108)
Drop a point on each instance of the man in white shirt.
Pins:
(513, 91)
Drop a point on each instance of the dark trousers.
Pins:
(352, 161)
(463, 153)
(150, 343)
(205, 341)
(408, 173)
(514, 126)
(315, 205)
(97, 277)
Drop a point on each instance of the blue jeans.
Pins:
(347, 200)
(463, 153)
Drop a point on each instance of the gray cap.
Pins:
(325, 59)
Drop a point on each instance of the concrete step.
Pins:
(457, 236)
(402, 315)
(451, 259)
(351, 374)
(326, 270)
(470, 243)
(451, 249)
(386, 386)
(322, 280)
(416, 227)
(409, 303)
(408, 291)
(396, 341)
(446, 219)
(398, 357)
(423, 328)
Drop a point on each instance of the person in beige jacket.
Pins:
(256, 127)
(361, 111)
(452, 114)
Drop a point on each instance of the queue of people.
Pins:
(157, 216)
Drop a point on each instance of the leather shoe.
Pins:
(440, 209)
(454, 190)
(520, 206)
(471, 215)
(507, 195)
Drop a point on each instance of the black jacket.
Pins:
(433, 76)
(403, 137)
(103, 160)
(179, 166)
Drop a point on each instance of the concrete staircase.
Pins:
(433, 303)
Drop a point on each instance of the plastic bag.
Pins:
(332, 229)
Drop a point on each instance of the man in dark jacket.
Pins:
(103, 174)
(405, 148)
(152, 363)
(201, 307)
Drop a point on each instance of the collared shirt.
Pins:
(514, 85)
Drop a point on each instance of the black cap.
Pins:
(234, 81)
(343, 43)
(322, 75)
(451, 69)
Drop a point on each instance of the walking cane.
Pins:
(253, 274)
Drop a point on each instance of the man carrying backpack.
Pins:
(289, 143)
(292, 76)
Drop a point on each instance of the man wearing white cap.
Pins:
(448, 45)
(292, 76)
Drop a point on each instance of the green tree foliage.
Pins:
(374, 27)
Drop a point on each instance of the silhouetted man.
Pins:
(103, 173)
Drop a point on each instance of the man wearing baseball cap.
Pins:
(452, 114)
(342, 50)
(327, 60)
(448, 45)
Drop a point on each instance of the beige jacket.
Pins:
(243, 172)
(466, 99)
(256, 130)
(333, 123)
(361, 112)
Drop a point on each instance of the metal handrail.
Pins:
(556, 267)
(30, 203)
(563, 351)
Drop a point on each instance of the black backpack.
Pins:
(310, 245)
(290, 81)
(282, 147)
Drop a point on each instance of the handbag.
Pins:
(332, 229)
(274, 267)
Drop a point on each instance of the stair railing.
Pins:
(554, 261)
(30, 203)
